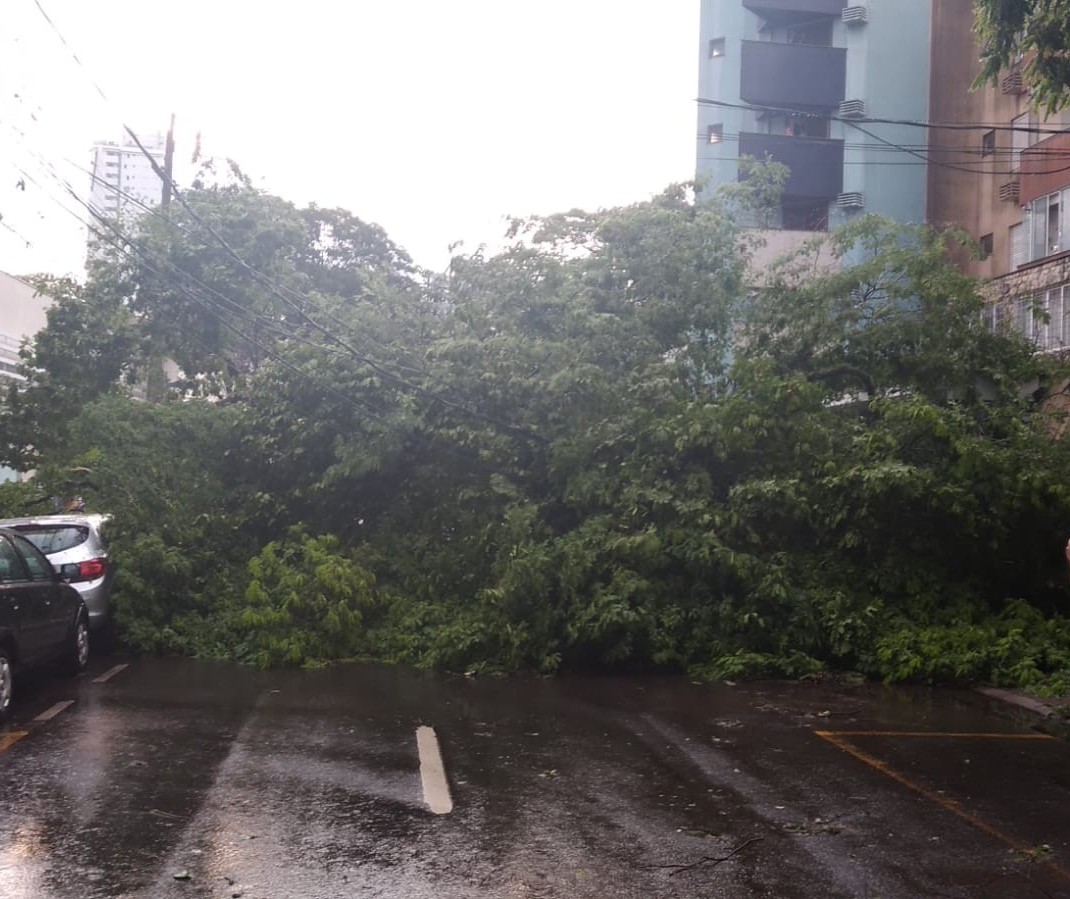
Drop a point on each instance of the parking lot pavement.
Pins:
(174, 778)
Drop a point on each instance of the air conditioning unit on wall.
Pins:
(1012, 82)
(1009, 191)
(855, 15)
(852, 109)
(850, 200)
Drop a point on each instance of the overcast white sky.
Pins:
(433, 119)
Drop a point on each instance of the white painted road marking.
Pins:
(109, 674)
(433, 772)
(51, 713)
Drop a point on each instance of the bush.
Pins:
(305, 603)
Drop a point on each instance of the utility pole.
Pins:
(156, 378)
(168, 165)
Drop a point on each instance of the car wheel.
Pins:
(7, 684)
(78, 656)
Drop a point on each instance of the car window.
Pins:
(11, 568)
(40, 568)
(54, 538)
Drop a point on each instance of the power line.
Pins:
(920, 151)
(295, 301)
(870, 120)
(297, 305)
(70, 49)
(258, 321)
(950, 165)
(962, 149)
(128, 246)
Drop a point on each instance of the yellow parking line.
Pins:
(931, 733)
(838, 740)
(10, 739)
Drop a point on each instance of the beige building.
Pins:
(1001, 172)
(23, 312)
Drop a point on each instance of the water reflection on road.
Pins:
(177, 778)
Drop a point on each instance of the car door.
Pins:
(27, 608)
(48, 590)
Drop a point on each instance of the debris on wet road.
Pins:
(182, 779)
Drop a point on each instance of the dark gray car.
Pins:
(42, 619)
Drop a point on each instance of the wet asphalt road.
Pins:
(306, 785)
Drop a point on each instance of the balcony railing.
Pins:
(792, 75)
(815, 164)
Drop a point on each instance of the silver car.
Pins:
(76, 545)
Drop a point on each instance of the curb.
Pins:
(1037, 713)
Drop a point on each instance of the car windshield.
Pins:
(54, 538)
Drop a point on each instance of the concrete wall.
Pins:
(768, 247)
(968, 199)
(23, 313)
(720, 79)
(1031, 279)
(22, 310)
(888, 66)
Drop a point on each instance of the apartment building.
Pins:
(124, 181)
(872, 109)
(798, 81)
(1001, 172)
(23, 312)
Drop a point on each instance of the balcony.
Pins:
(816, 164)
(793, 75)
(1045, 167)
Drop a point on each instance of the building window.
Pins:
(1016, 241)
(717, 47)
(817, 32)
(1022, 137)
(986, 246)
(1043, 318)
(988, 143)
(807, 126)
(715, 134)
(992, 316)
(1047, 224)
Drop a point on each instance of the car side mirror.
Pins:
(67, 572)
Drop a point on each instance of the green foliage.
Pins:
(88, 348)
(21, 498)
(602, 448)
(304, 602)
(1018, 648)
(1038, 30)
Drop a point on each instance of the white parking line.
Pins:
(433, 772)
(51, 713)
(109, 674)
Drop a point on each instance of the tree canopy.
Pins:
(1036, 31)
(608, 445)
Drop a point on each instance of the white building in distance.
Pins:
(124, 180)
(23, 312)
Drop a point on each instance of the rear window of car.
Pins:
(54, 538)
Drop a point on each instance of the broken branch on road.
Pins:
(712, 860)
